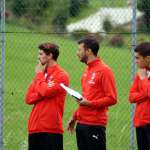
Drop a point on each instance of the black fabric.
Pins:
(45, 141)
(143, 137)
(90, 137)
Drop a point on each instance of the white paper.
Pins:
(71, 92)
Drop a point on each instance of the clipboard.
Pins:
(72, 92)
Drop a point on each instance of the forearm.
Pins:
(137, 97)
(32, 97)
(103, 102)
(50, 88)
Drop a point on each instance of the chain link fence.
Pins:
(28, 23)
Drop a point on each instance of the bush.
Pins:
(107, 26)
(59, 22)
(79, 34)
(8, 15)
(116, 41)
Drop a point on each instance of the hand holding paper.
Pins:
(72, 92)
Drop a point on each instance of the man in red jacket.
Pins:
(99, 92)
(47, 97)
(140, 95)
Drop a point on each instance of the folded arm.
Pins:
(32, 97)
(139, 95)
(51, 88)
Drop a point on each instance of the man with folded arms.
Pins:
(47, 97)
(140, 95)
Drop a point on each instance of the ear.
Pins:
(50, 56)
(90, 51)
(147, 59)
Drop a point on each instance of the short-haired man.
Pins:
(99, 92)
(140, 95)
(45, 94)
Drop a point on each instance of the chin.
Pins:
(43, 63)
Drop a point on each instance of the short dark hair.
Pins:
(90, 42)
(143, 49)
(50, 48)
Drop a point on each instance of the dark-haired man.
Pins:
(45, 94)
(140, 95)
(99, 92)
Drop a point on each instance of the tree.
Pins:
(74, 9)
(61, 15)
(19, 7)
(75, 6)
(144, 5)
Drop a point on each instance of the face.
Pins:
(43, 58)
(81, 53)
(141, 61)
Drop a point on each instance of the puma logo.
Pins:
(95, 136)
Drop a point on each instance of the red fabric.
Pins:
(48, 100)
(98, 86)
(140, 95)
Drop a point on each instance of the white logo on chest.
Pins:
(91, 81)
(148, 74)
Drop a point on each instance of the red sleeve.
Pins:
(32, 97)
(74, 117)
(110, 98)
(146, 86)
(47, 90)
(137, 95)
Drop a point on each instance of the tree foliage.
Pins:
(51, 11)
(144, 5)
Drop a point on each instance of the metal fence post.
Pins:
(2, 23)
(133, 36)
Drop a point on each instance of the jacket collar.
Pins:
(94, 62)
(52, 68)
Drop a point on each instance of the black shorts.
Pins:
(90, 137)
(45, 141)
(143, 137)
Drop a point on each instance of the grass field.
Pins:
(20, 60)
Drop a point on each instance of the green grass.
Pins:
(20, 60)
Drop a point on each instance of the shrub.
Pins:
(107, 26)
(116, 41)
(79, 34)
(8, 15)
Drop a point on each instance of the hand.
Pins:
(71, 125)
(142, 73)
(84, 102)
(40, 68)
